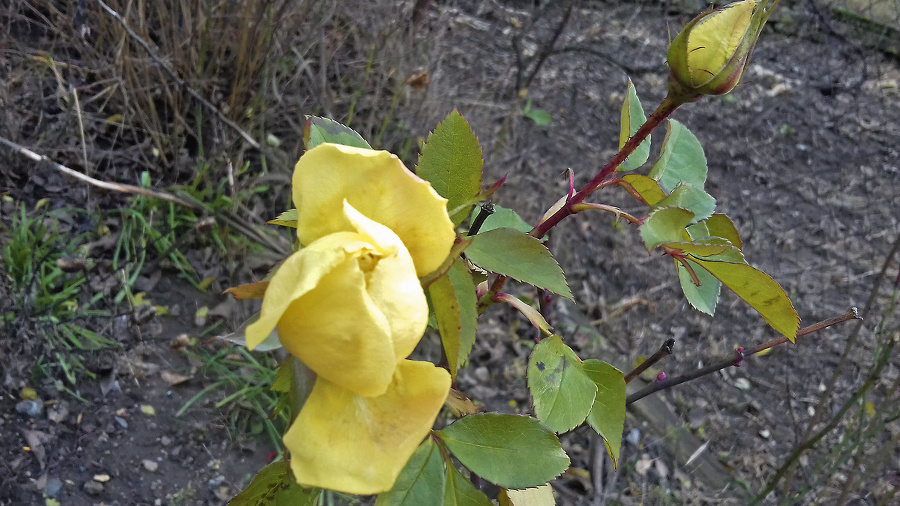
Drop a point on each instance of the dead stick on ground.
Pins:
(656, 386)
(124, 188)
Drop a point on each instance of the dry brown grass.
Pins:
(156, 89)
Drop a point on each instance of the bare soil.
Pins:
(803, 156)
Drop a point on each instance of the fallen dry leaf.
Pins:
(173, 378)
(459, 404)
(36, 440)
(249, 290)
(418, 80)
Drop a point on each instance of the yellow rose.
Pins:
(349, 305)
(710, 54)
(381, 188)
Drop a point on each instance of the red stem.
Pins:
(665, 109)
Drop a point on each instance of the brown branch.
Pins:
(656, 386)
(124, 188)
(664, 351)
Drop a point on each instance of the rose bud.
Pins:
(710, 54)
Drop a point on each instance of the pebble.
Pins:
(53, 487)
(31, 409)
(215, 482)
(633, 437)
(93, 488)
(150, 465)
(121, 421)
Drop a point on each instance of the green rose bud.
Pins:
(710, 54)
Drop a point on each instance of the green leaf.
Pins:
(464, 287)
(502, 218)
(540, 117)
(460, 492)
(719, 225)
(704, 297)
(692, 198)
(537, 496)
(454, 302)
(681, 159)
(451, 161)
(561, 392)
(283, 376)
(274, 485)
(520, 256)
(664, 225)
(607, 416)
(420, 481)
(760, 291)
(285, 219)
(706, 247)
(632, 118)
(511, 451)
(321, 130)
(698, 230)
(446, 314)
(645, 187)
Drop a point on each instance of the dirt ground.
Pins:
(803, 156)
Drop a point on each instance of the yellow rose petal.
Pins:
(348, 306)
(338, 332)
(393, 286)
(378, 185)
(341, 441)
(299, 274)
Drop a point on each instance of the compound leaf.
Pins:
(518, 255)
(422, 479)
(663, 225)
(632, 118)
(321, 130)
(681, 159)
(561, 391)
(759, 290)
(607, 415)
(511, 451)
(451, 161)
(274, 485)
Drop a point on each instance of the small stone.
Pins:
(30, 409)
(215, 482)
(633, 437)
(93, 488)
(53, 487)
(742, 384)
(121, 421)
(165, 441)
(150, 465)
(482, 374)
(58, 413)
(765, 434)
(643, 465)
(101, 478)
